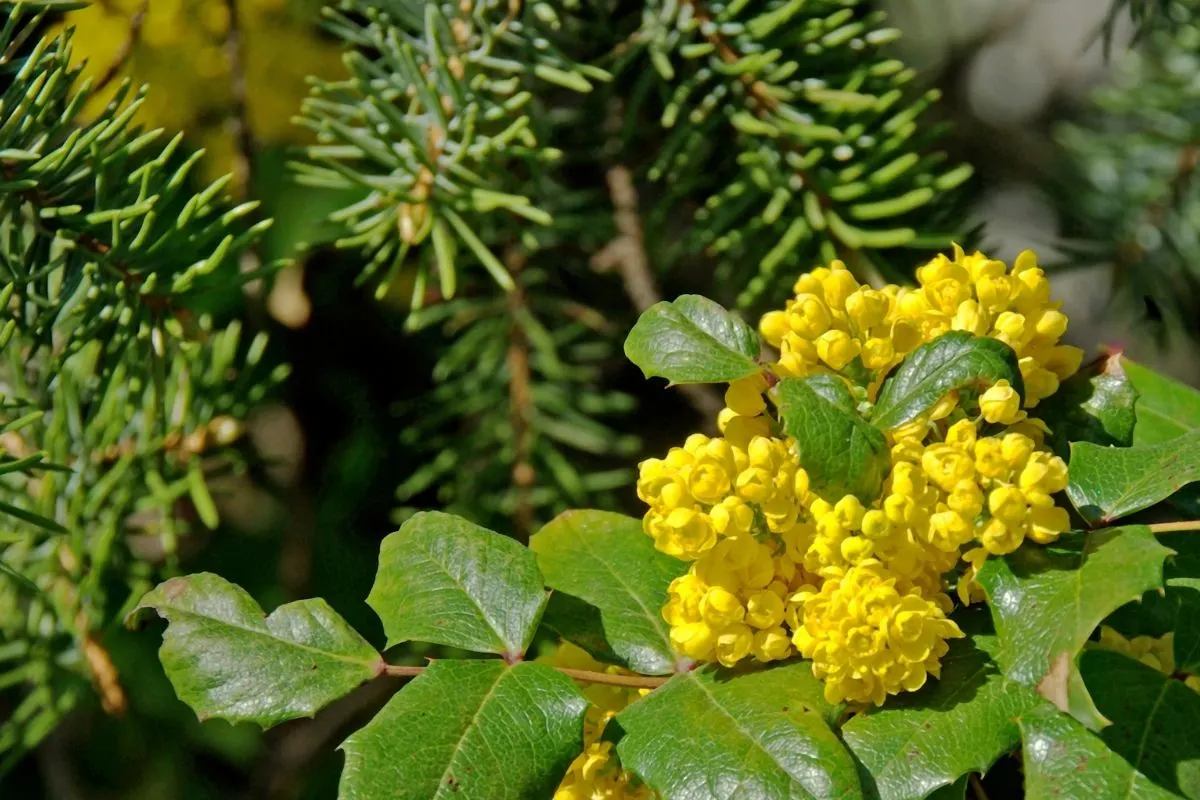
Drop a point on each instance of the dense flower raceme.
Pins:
(596, 774)
(863, 591)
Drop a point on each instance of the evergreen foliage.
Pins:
(121, 394)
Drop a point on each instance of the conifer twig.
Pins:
(764, 103)
(239, 123)
(520, 401)
(627, 255)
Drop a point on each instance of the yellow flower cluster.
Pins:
(833, 321)
(595, 774)
(180, 53)
(863, 589)
(1155, 653)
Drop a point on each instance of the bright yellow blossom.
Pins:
(862, 588)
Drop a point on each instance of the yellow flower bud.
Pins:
(878, 353)
(1047, 523)
(720, 607)
(946, 466)
(1050, 325)
(800, 485)
(849, 512)
(694, 640)
(1000, 403)
(1007, 504)
(1063, 361)
(1016, 449)
(764, 609)
(686, 534)
(944, 407)
(866, 308)
(989, 458)
(970, 318)
(875, 525)
(961, 435)
(836, 348)
(855, 548)
(838, 286)
(1010, 328)
(966, 499)
(745, 395)
(949, 530)
(1000, 539)
(994, 293)
(772, 644)
(774, 326)
(732, 517)
(808, 316)
(733, 644)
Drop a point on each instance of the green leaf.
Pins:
(1047, 600)
(719, 734)
(1063, 759)
(958, 724)
(1094, 405)
(572, 619)
(227, 660)
(1153, 719)
(692, 340)
(952, 361)
(609, 562)
(447, 581)
(842, 453)
(1108, 483)
(1165, 409)
(470, 729)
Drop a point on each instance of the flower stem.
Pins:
(1173, 527)
(587, 675)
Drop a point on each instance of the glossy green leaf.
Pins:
(226, 659)
(955, 725)
(1062, 759)
(842, 453)
(468, 729)
(1165, 409)
(724, 734)
(1153, 719)
(1094, 405)
(447, 581)
(570, 618)
(1108, 483)
(1047, 600)
(609, 562)
(692, 340)
(952, 361)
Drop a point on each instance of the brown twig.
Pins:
(1175, 527)
(627, 255)
(520, 401)
(586, 675)
(977, 787)
(131, 39)
(239, 123)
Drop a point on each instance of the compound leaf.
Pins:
(227, 659)
(447, 581)
(470, 729)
